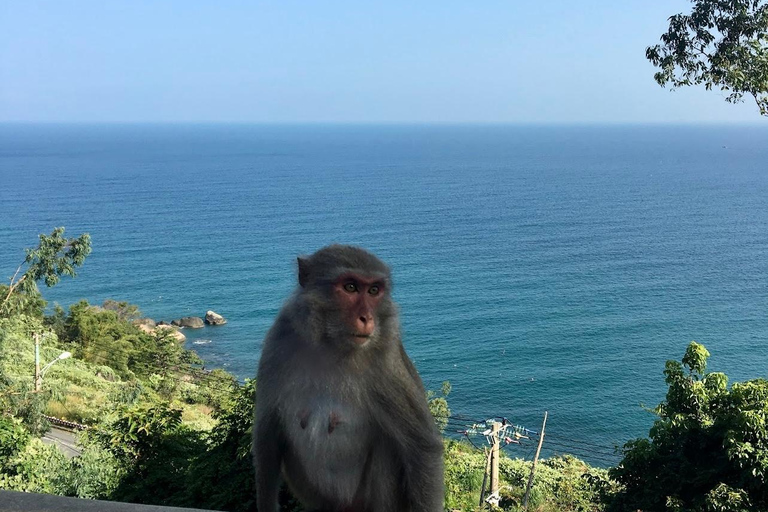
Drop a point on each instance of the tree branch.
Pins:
(13, 285)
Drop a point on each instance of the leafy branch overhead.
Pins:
(720, 44)
(54, 257)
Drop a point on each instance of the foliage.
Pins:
(54, 257)
(561, 484)
(106, 336)
(26, 464)
(214, 390)
(17, 373)
(153, 449)
(125, 312)
(37, 468)
(438, 406)
(29, 303)
(721, 43)
(72, 389)
(13, 438)
(464, 469)
(95, 474)
(707, 451)
(98, 336)
(136, 433)
(222, 478)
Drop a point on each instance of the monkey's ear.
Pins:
(303, 271)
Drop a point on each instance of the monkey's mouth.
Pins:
(361, 338)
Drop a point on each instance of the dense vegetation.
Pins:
(164, 431)
(708, 451)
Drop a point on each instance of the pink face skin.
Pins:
(359, 297)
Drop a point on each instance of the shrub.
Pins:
(708, 450)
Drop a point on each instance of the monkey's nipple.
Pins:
(303, 419)
(333, 421)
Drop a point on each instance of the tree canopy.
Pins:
(720, 44)
(707, 451)
(54, 257)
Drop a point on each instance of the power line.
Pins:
(196, 373)
(612, 462)
(581, 448)
(581, 451)
(133, 354)
(471, 442)
(586, 455)
(178, 378)
(563, 438)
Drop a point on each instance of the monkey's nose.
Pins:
(365, 325)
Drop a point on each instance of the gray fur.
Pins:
(347, 427)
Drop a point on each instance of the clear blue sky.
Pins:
(515, 61)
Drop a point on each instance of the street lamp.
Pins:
(38, 372)
(63, 355)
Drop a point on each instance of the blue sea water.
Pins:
(536, 267)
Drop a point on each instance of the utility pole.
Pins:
(38, 378)
(485, 475)
(535, 459)
(493, 432)
(493, 499)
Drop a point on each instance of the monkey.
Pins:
(341, 414)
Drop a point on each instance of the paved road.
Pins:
(64, 440)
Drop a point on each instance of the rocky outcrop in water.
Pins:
(190, 322)
(213, 318)
(163, 329)
(158, 330)
(148, 322)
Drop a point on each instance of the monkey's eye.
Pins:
(373, 290)
(350, 287)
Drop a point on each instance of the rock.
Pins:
(167, 329)
(146, 328)
(191, 322)
(160, 330)
(144, 321)
(163, 322)
(213, 318)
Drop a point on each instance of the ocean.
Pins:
(537, 268)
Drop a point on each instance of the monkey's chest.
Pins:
(328, 429)
(329, 440)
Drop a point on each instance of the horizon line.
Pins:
(757, 122)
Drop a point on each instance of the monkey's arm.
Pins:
(406, 420)
(268, 450)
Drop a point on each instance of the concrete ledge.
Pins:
(12, 501)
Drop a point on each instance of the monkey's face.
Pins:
(359, 299)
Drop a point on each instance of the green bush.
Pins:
(153, 450)
(561, 484)
(464, 470)
(95, 474)
(222, 477)
(708, 451)
(13, 439)
(38, 467)
(438, 405)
